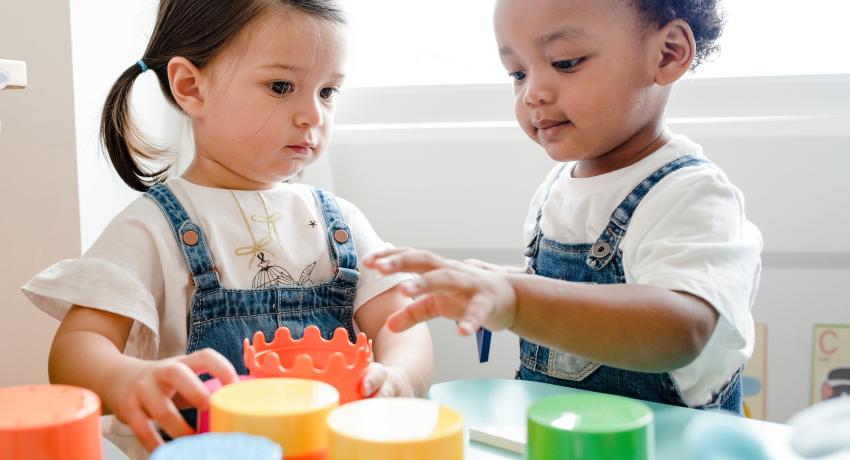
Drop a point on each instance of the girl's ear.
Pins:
(186, 83)
(677, 51)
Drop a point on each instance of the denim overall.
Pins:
(601, 262)
(220, 318)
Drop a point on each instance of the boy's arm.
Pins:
(631, 326)
(406, 357)
(87, 351)
(636, 327)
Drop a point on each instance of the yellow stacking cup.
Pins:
(395, 428)
(291, 412)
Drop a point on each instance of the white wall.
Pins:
(38, 183)
(446, 168)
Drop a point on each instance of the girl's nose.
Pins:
(309, 114)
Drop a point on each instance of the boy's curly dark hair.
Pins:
(706, 18)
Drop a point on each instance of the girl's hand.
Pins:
(472, 296)
(386, 382)
(143, 397)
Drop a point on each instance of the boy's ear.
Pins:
(678, 50)
(186, 83)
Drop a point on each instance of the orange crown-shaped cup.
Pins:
(337, 361)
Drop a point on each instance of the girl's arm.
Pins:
(403, 360)
(87, 351)
(636, 327)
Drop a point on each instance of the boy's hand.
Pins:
(472, 296)
(143, 397)
(386, 381)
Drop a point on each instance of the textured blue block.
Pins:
(219, 446)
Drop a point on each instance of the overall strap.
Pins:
(533, 245)
(340, 241)
(604, 249)
(189, 236)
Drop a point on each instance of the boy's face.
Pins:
(583, 73)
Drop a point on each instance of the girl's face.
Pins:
(268, 106)
(583, 75)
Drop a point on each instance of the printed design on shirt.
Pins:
(273, 275)
(257, 246)
(312, 223)
(269, 219)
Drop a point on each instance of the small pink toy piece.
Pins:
(337, 361)
(204, 416)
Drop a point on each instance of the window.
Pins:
(439, 42)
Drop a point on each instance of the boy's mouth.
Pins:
(548, 123)
(549, 130)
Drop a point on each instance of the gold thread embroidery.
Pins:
(270, 220)
(256, 246)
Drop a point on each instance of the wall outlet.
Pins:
(13, 74)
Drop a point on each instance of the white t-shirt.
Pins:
(136, 269)
(688, 234)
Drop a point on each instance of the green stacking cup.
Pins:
(584, 426)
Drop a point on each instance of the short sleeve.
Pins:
(372, 283)
(694, 237)
(120, 273)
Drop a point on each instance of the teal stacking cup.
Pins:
(585, 426)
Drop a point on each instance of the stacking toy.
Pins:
(395, 428)
(290, 412)
(337, 361)
(218, 446)
(49, 422)
(212, 385)
(584, 426)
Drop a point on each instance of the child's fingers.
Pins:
(421, 310)
(160, 408)
(369, 260)
(376, 375)
(445, 279)
(212, 362)
(414, 261)
(476, 313)
(143, 428)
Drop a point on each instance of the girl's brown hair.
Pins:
(195, 30)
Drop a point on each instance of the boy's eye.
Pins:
(280, 88)
(328, 93)
(566, 65)
(518, 75)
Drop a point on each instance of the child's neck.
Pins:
(642, 144)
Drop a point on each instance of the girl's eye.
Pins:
(566, 65)
(328, 93)
(280, 88)
(518, 75)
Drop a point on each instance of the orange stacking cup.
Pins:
(290, 412)
(49, 422)
(337, 361)
(395, 428)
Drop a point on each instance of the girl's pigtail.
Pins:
(125, 145)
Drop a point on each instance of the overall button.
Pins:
(600, 249)
(341, 236)
(190, 237)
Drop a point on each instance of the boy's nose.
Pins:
(537, 93)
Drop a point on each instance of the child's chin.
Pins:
(562, 153)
